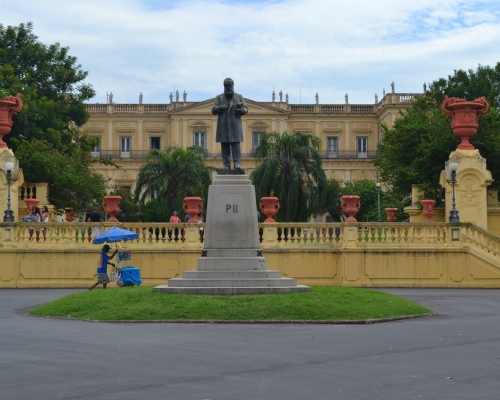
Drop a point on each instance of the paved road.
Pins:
(453, 356)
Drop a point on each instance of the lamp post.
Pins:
(453, 212)
(378, 201)
(9, 214)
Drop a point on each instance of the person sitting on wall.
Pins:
(96, 217)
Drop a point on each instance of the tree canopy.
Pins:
(51, 84)
(416, 148)
(171, 175)
(290, 168)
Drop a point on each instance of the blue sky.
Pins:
(301, 47)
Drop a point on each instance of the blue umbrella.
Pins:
(115, 235)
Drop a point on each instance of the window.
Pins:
(155, 143)
(125, 147)
(199, 139)
(362, 147)
(256, 139)
(126, 189)
(332, 146)
(96, 151)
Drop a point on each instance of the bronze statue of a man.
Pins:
(229, 106)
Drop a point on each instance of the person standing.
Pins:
(174, 219)
(44, 218)
(96, 217)
(102, 267)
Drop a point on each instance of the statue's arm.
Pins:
(218, 107)
(242, 108)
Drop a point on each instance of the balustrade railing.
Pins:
(97, 108)
(155, 108)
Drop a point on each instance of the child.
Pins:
(102, 268)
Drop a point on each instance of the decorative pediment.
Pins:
(199, 125)
(205, 107)
(258, 126)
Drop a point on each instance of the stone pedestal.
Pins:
(231, 261)
(471, 187)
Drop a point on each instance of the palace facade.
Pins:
(349, 133)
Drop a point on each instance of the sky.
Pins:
(301, 47)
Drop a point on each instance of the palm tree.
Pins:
(172, 173)
(290, 168)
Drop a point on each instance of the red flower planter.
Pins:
(193, 206)
(30, 203)
(391, 214)
(464, 116)
(9, 106)
(428, 209)
(110, 205)
(350, 205)
(270, 207)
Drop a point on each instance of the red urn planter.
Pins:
(9, 106)
(428, 209)
(193, 206)
(110, 205)
(30, 203)
(464, 116)
(391, 214)
(70, 214)
(270, 207)
(350, 205)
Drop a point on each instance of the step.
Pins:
(231, 263)
(231, 290)
(269, 282)
(231, 253)
(243, 274)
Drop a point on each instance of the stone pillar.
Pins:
(110, 135)
(471, 188)
(139, 135)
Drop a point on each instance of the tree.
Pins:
(172, 174)
(331, 199)
(469, 85)
(52, 87)
(290, 167)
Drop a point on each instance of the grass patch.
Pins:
(141, 303)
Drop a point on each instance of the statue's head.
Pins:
(228, 86)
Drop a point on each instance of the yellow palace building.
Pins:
(349, 132)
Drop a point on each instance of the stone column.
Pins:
(110, 135)
(471, 187)
(184, 133)
(139, 135)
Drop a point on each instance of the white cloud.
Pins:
(300, 46)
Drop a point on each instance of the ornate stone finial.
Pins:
(140, 98)
(392, 86)
(171, 98)
(425, 87)
(376, 98)
(383, 92)
(9, 106)
(281, 96)
(286, 97)
(346, 98)
(273, 96)
(177, 96)
(317, 98)
(184, 96)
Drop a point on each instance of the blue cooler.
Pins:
(131, 276)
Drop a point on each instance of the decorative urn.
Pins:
(428, 209)
(9, 106)
(270, 207)
(464, 116)
(391, 214)
(193, 206)
(30, 204)
(70, 214)
(110, 205)
(350, 205)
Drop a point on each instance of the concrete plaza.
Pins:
(452, 356)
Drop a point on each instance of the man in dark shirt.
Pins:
(96, 217)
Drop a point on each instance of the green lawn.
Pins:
(141, 303)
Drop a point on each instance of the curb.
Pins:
(212, 321)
